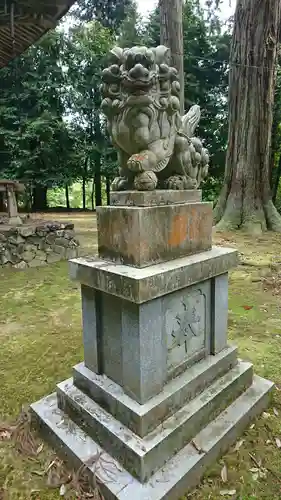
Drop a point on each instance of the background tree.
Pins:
(88, 46)
(35, 141)
(171, 36)
(206, 53)
(132, 29)
(275, 160)
(110, 14)
(245, 200)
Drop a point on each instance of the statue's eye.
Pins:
(130, 61)
(146, 62)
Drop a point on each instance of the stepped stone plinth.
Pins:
(160, 393)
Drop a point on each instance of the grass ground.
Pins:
(40, 335)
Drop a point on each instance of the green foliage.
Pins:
(110, 14)
(35, 142)
(51, 131)
(87, 48)
(132, 30)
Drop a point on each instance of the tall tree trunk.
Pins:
(67, 197)
(107, 181)
(277, 180)
(171, 35)
(98, 193)
(39, 195)
(2, 205)
(274, 144)
(84, 193)
(245, 200)
(98, 137)
(93, 195)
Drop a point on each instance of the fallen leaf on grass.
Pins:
(239, 444)
(278, 442)
(247, 308)
(276, 412)
(255, 476)
(38, 473)
(258, 473)
(224, 474)
(56, 474)
(34, 492)
(62, 490)
(266, 415)
(227, 493)
(20, 433)
(252, 426)
(5, 435)
(254, 469)
(51, 464)
(40, 448)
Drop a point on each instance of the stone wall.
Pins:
(37, 244)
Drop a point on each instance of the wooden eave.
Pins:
(23, 22)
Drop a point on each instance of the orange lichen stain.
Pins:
(193, 225)
(179, 230)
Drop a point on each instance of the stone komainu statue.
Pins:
(155, 144)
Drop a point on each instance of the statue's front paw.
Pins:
(190, 183)
(146, 181)
(135, 163)
(138, 162)
(180, 182)
(120, 184)
(175, 182)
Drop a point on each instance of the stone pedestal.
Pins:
(160, 392)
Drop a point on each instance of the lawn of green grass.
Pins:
(40, 334)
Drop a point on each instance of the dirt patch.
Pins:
(10, 328)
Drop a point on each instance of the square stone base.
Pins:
(137, 236)
(180, 474)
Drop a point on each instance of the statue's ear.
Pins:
(191, 119)
(116, 55)
(162, 55)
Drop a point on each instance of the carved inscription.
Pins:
(188, 323)
(185, 325)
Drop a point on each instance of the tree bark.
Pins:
(97, 160)
(107, 181)
(67, 197)
(171, 35)
(84, 193)
(39, 196)
(245, 200)
(98, 194)
(93, 195)
(277, 180)
(2, 204)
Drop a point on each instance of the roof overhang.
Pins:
(23, 22)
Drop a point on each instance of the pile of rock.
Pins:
(37, 244)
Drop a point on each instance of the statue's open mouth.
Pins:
(137, 85)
